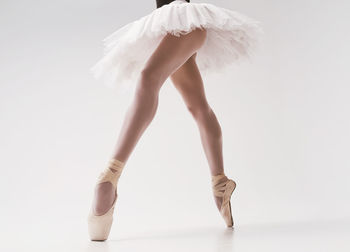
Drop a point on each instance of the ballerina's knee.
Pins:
(199, 110)
(149, 80)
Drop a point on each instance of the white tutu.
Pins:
(230, 37)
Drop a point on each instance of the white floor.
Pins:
(304, 236)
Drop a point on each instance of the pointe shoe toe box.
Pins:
(99, 226)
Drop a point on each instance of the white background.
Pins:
(284, 116)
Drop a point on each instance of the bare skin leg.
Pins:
(189, 83)
(171, 53)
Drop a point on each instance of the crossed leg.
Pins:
(171, 53)
(188, 81)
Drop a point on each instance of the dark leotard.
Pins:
(160, 3)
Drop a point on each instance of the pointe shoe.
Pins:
(224, 190)
(99, 226)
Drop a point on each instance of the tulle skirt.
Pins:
(231, 36)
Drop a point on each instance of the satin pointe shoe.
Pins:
(224, 189)
(99, 226)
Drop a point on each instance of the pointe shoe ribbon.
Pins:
(99, 226)
(224, 189)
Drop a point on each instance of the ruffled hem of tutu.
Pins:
(231, 37)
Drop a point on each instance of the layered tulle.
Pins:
(231, 36)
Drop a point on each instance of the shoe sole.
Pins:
(231, 216)
(233, 188)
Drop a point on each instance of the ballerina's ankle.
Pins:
(116, 165)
